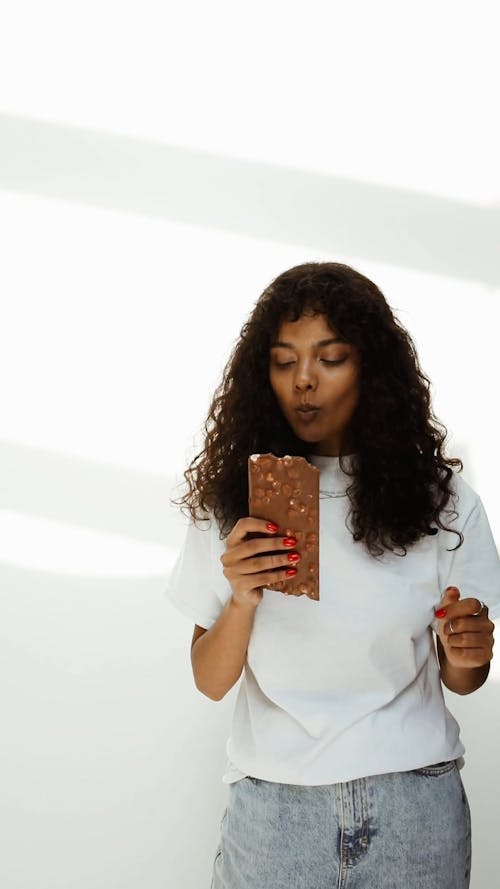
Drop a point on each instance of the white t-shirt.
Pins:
(347, 686)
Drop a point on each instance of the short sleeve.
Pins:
(475, 566)
(193, 586)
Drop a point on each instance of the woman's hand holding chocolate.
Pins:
(246, 565)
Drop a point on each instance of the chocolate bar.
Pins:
(285, 490)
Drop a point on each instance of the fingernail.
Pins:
(441, 612)
(271, 527)
(291, 572)
(293, 557)
(289, 541)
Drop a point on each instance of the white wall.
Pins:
(158, 166)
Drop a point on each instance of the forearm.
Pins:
(219, 655)
(461, 680)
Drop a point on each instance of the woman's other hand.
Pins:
(465, 630)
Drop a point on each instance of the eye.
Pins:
(324, 360)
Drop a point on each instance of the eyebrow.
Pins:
(335, 339)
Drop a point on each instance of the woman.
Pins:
(343, 760)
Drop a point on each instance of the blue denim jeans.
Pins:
(402, 830)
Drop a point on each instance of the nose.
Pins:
(304, 378)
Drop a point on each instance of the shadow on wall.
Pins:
(270, 201)
(89, 494)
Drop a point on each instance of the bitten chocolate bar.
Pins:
(285, 490)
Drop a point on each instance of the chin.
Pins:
(310, 437)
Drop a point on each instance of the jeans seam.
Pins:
(341, 840)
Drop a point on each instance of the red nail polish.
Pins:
(289, 541)
(271, 527)
(291, 572)
(293, 557)
(441, 612)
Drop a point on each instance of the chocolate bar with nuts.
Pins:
(285, 490)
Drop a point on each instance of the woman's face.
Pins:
(301, 372)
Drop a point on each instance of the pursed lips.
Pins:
(307, 414)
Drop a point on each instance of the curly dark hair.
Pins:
(400, 474)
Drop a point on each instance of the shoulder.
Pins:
(464, 499)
